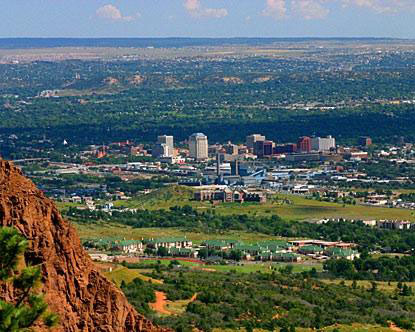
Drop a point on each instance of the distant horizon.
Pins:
(174, 42)
(207, 18)
(223, 37)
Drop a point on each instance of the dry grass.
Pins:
(299, 207)
(121, 273)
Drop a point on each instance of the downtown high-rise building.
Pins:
(198, 146)
(164, 147)
(168, 140)
(264, 148)
(322, 144)
(304, 144)
(252, 139)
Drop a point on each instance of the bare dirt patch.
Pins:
(161, 302)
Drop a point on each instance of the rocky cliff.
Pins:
(84, 299)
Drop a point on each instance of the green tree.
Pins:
(406, 291)
(162, 251)
(29, 307)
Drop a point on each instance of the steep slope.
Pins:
(84, 299)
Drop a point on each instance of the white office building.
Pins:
(164, 147)
(168, 140)
(198, 146)
(322, 144)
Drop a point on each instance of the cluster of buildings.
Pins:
(111, 245)
(116, 148)
(237, 165)
(248, 170)
(256, 146)
(320, 250)
(227, 195)
(402, 225)
(395, 224)
(198, 147)
(261, 147)
(272, 250)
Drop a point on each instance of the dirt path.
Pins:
(393, 327)
(202, 269)
(159, 305)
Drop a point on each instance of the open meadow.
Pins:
(118, 231)
(290, 207)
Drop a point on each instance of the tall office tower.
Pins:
(168, 140)
(264, 148)
(321, 144)
(268, 148)
(198, 146)
(252, 139)
(164, 147)
(304, 144)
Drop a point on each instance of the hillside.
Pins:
(83, 298)
(289, 207)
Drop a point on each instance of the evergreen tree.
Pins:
(406, 291)
(29, 307)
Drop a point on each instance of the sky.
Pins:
(207, 18)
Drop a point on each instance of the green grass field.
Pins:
(299, 208)
(121, 273)
(265, 267)
(108, 230)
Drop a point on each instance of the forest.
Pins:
(97, 101)
(384, 268)
(268, 301)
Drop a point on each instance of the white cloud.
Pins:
(383, 6)
(112, 13)
(310, 9)
(317, 9)
(275, 8)
(195, 8)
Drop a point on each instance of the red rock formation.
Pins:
(84, 299)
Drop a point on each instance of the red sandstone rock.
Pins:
(83, 298)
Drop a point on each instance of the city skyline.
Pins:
(208, 18)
